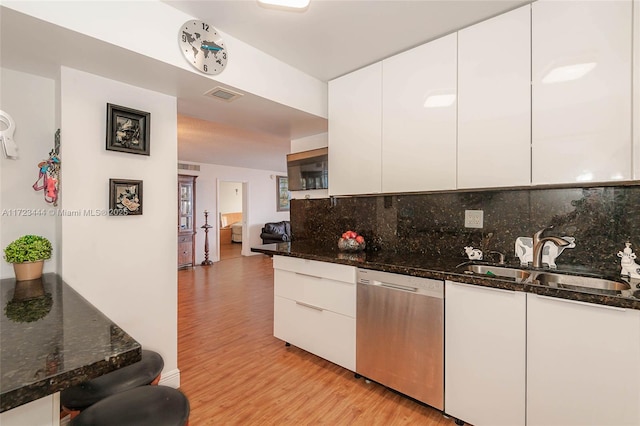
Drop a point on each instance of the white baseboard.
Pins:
(170, 378)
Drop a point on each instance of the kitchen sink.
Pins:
(498, 271)
(577, 282)
(552, 279)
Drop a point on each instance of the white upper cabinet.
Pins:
(419, 118)
(355, 133)
(581, 74)
(636, 91)
(494, 102)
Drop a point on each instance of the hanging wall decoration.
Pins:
(125, 197)
(128, 130)
(9, 147)
(49, 173)
(282, 194)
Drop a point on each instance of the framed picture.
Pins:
(282, 192)
(125, 197)
(128, 130)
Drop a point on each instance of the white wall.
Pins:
(308, 143)
(260, 203)
(30, 101)
(230, 198)
(125, 266)
(157, 38)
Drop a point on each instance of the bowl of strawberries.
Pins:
(351, 242)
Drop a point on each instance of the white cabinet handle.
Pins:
(306, 305)
(577, 302)
(499, 290)
(308, 275)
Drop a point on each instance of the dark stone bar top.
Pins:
(440, 268)
(51, 338)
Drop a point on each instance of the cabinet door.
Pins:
(581, 92)
(494, 105)
(355, 133)
(636, 91)
(185, 207)
(185, 250)
(335, 296)
(314, 308)
(419, 118)
(186, 220)
(583, 363)
(485, 345)
(324, 333)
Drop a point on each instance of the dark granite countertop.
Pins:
(450, 269)
(52, 338)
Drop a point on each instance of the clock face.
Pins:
(203, 47)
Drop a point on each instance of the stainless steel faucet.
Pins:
(538, 244)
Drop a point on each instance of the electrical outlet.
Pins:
(473, 218)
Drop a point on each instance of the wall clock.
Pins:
(202, 46)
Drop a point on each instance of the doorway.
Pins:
(232, 219)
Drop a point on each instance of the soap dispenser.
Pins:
(629, 266)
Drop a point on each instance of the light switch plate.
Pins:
(473, 218)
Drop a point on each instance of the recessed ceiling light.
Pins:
(285, 4)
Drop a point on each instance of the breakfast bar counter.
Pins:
(51, 338)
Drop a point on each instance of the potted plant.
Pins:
(28, 254)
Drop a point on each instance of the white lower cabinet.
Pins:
(485, 345)
(583, 363)
(315, 308)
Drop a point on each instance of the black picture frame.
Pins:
(125, 197)
(128, 130)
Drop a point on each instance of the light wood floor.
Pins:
(235, 372)
(230, 251)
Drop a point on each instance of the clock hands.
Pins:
(210, 46)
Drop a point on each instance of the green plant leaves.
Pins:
(28, 248)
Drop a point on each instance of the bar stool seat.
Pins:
(143, 372)
(141, 406)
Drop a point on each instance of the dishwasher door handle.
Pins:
(398, 287)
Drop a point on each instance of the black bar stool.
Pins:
(142, 406)
(144, 372)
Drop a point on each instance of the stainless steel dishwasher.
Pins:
(400, 334)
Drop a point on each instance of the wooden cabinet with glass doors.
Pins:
(186, 220)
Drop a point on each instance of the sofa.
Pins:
(276, 232)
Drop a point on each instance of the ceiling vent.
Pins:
(183, 166)
(223, 94)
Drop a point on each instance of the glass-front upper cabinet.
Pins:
(185, 203)
(186, 220)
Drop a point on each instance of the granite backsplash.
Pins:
(601, 219)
